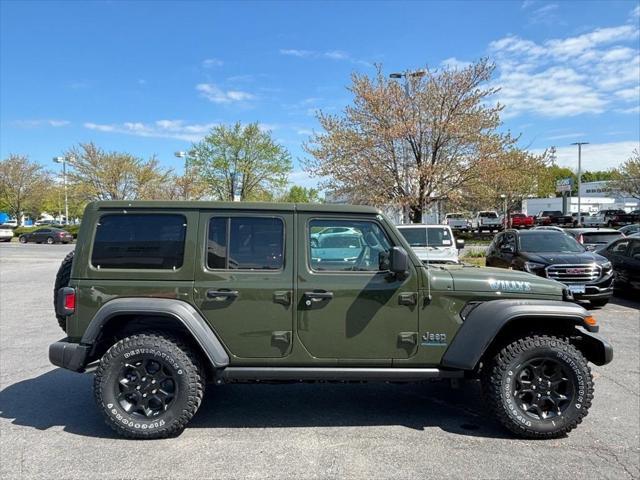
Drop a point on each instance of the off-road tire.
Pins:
(62, 280)
(175, 356)
(498, 380)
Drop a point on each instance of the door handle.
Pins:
(221, 295)
(316, 297)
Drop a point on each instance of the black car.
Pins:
(553, 217)
(554, 255)
(624, 254)
(594, 238)
(48, 235)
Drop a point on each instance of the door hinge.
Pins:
(409, 299)
(282, 297)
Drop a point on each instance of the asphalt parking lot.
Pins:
(49, 427)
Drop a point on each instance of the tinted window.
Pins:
(634, 251)
(549, 241)
(354, 247)
(142, 241)
(417, 237)
(245, 243)
(488, 214)
(601, 237)
(619, 247)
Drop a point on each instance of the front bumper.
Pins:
(70, 355)
(600, 290)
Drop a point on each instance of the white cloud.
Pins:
(215, 94)
(212, 62)
(566, 135)
(635, 13)
(304, 131)
(453, 62)
(597, 156)
(158, 129)
(546, 15)
(40, 123)
(589, 73)
(339, 55)
(295, 52)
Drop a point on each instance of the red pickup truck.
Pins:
(520, 220)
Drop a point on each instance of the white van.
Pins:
(433, 243)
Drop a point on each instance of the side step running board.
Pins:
(336, 373)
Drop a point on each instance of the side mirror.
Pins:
(459, 243)
(398, 261)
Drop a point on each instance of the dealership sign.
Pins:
(564, 185)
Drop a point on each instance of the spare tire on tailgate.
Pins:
(62, 280)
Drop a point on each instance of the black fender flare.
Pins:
(487, 319)
(179, 310)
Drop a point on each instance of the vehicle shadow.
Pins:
(625, 299)
(61, 398)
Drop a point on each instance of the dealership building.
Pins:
(595, 196)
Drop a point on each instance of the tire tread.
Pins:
(492, 380)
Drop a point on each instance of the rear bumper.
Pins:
(69, 355)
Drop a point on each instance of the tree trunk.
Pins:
(415, 213)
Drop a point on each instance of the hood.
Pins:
(437, 254)
(500, 280)
(564, 258)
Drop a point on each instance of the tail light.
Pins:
(66, 301)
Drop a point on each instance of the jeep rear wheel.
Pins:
(538, 387)
(148, 386)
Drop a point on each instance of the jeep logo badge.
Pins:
(509, 285)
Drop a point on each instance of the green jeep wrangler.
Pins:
(160, 298)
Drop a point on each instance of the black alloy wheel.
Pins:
(542, 388)
(146, 388)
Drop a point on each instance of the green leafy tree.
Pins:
(100, 175)
(298, 194)
(599, 175)
(242, 161)
(23, 186)
(547, 178)
(627, 179)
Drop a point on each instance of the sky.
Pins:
(150, 78)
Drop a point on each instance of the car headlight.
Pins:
(606, 266)
(533, 267)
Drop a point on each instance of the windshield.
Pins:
(518, 215)
(455, 215)
(417, 237)
(488, 214)
(601, 237)
(552, 213)
(549, 241)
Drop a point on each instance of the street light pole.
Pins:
(579, 144)
(406, 75)
(63, 161)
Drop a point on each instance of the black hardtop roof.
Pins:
(239, 206)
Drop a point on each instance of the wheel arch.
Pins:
(494, 323)
(121, 317)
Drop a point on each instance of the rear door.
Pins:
(348, 307)
(244, 280)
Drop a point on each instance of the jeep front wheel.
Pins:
(148, 386)
(539, 387)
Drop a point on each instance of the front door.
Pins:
(348, 308)
(244, 282)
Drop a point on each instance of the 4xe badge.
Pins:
(509, 285)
